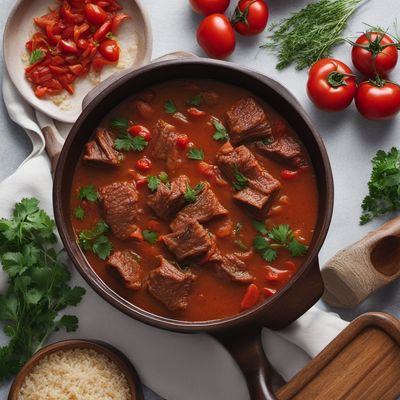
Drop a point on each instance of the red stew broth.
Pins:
(212, 297)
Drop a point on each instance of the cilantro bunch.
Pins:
(38, 285)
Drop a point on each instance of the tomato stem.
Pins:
(335, 79)
(241, 16)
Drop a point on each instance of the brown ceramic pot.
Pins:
(241, 333)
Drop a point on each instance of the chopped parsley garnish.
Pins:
(195, 101)
(260, 227)
(240, 181)
(280, 236)
(240, 245)
(192, 193)
(195, 154)
(110, 35)
(127, 142)
(36, 56)
(38, 285)
(220, 133)
(96, 241)
(88, 193)
(169, 107)
(150, 236)
(120, 123)
(154, 181)
(383, 186)
(79, 213)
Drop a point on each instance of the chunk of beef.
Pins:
(101, 152)
(206, 207)
(284, 149)
(125, 263)
(168, 200)
(189, 241)
(260, 188)
(234, 269)
(163, 144)
(120, 206)
(246, 120)
(170, 285)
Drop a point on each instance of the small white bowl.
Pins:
(134, 37)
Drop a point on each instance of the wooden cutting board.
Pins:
(362, 363)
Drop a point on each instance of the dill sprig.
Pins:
(311, 33)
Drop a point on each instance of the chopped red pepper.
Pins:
(289, 175)
(143, 164)
(140, 130)
(182, 142)
(141, 183)
(268, 292)
(251, 297)
(195, 112)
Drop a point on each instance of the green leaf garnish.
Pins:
(262, 246)
(89, 193)
(195, 101)
(195, 154)
(192, 193)
(96, 241)
(102, 247)
(36, 56)
(163, 176)
(260, 227)
(127, 142)
(169, 107)
(240, 181)
(154, 181)
(120, 123)
(220, 133)
(150, 236)
(79, 213)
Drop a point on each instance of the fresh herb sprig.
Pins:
(220, 133)
(192, 193)
(195, 154)
(96, 240)
(383, 186)
(195, 101)
(311, 33)
(36, 56)
(38, 285)
(240, 181)
(150, 236)
(154, 181)
(280, 236)
(125, 141)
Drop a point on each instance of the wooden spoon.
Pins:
(363, 267)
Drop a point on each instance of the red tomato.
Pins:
(143, 164)
(251, 297)
(101, 32)
(215, 36)
(68, 46)
(330, 85)
(268, 292)
(374, 53)
(140, 130)
(117, 20)
(182, 142)
(109, 49)
(95, 14)
(378, 99)
(207, 7)
(251, 17)
(141, 183)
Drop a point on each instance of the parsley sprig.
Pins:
(169, 107)
(96, 241)
(154, 181)
(150, 236)
(195, 154)
(280, 236)
(125, 141)
(88, 193)
(220, 133)
(38, 285)
(195, 101)
(240, 181)
(36, 56)
(383, 186)
(192, 193)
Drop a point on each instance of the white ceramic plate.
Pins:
(134, 37)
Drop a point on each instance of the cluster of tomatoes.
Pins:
(216, 32)
(71, 39)
(332, 86)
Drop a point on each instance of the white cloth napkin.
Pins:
(176, 366)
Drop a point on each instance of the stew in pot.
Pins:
(194, 200)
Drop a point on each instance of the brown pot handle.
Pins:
(246, 348)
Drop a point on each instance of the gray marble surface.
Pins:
(351, 141)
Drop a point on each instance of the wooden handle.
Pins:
(246, 348)
(53, 147)
(363, 267)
